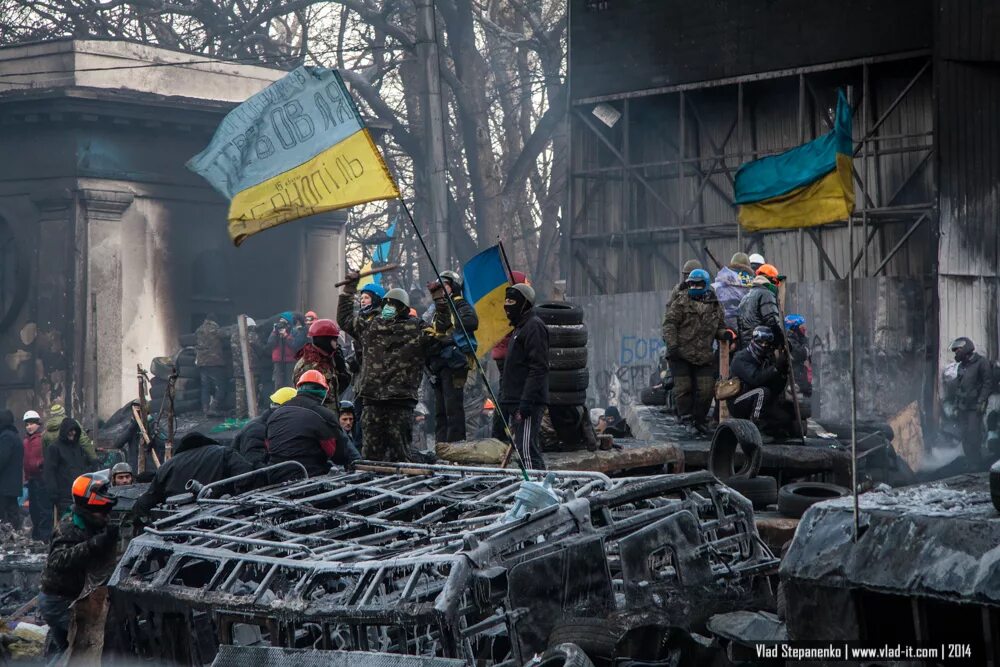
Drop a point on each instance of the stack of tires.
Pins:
(568, 373)
(187, 389)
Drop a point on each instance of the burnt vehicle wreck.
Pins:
(425, 561)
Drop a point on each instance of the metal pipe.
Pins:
(231, 538)
(205, 488)
(461, 470)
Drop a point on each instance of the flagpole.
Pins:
(475, 357)
(506, 262)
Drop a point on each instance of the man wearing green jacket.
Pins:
(56, 414)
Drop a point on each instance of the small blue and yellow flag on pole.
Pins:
(806, 186)
(486, 285)
(296, 148)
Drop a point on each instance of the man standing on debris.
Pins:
(56, 415)
(394, 347)
(283, 350)
(197, 457)
(524, 387)
(762, 384)
(499, 356)
(65, 460)
(323, 354)
(84, 542)
(249, 441)
(972, 390)
(798, 346)
(11, 469)
(39, 502)
(760, 308)
(211, 366)
(694, 321)
(303, 430)
(449, 366)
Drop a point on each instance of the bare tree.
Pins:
(502, 64)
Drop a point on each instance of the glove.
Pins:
(106, 538)
(352, 278)
(729, 335)
(673, 354)
(436, 290)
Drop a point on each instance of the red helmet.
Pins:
(312, 377)
(324, 328)
(519, 277)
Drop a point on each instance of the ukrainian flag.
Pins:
(803, 187)
(296, 148)
(486, 285)
(379, 256)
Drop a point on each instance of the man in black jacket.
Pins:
(11, 469)
(84, 542)
(524, 387)
(249, 441)
(762, 384)
(303, 430)
(972, 389)
(449, 366)
(65, 460)
(197, 457)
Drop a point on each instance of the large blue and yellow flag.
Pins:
(486, 285)
(296, 148)
(805, 186)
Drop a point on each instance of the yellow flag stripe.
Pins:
(830, 199)
(493, 323)
(348, 173)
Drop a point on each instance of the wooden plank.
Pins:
(617, 460)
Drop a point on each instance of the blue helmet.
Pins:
(794, 321)
(375, 290)
(698, 276)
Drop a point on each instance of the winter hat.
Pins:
(690, 266)
(740, 260)
(57, 410)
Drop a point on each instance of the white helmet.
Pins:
(31, 414)
(757, 258)
(251, 322)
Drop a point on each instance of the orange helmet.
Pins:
(312, 377)
(91, 492)
(769, 271)
(488, 405)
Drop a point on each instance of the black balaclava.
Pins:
(324, 343)
(515, 311)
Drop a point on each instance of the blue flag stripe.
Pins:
(483, 274)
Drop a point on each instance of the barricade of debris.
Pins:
(424, 561)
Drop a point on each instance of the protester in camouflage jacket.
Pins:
(394, 348)
(330, 363)
(208, 344)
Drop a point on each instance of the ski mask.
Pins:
(324, 343)
(515, 310)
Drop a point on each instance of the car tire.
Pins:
(161, 367)
(189, 373)
(183, 384)
(761, 490)
(569, 335)
(733, 434)
(995, 485)
(186, 356)
(596, 637)
(567, 358)
(568, 398)
(653, 396)
(559, 313)
(794, 499)
(564, 655)
(574, 380)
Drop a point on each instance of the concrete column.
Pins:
(54, 300)
(102, 212)
(324, 240)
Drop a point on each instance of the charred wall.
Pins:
(622, 46)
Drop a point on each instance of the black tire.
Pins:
(574, 380)
(559, 312)
(188, 340)
(571, 335)
(761, 490)
(733, 434)
(186, 406)
(185, 357)
(189, 373)
(794, 499)
(597, 637)
(564, 655)
(567, 358)
(653, 396)
(161, 367)
(995, 485)
(568, 398)
(184, 384)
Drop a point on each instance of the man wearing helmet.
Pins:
(303, 430)
(695, 320)
(449, 366)
(40, 504)
(84, 542)
(394, 347)
(760, 306)
(972, 390)
(762, 383)
(249, 440)
(681, 287)
(121, 474)
(323, 354)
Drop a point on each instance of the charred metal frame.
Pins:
(874, 210)
(418, 561)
